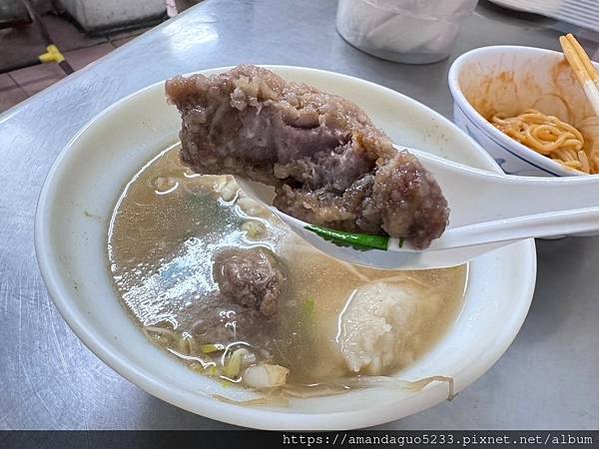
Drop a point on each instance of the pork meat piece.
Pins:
(329, 164)
(253, 278)
(217, 319)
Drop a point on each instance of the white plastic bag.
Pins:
(411, 31)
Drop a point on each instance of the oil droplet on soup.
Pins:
(333, 320)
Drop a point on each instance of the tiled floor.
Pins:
(23, 44)
(10, 92)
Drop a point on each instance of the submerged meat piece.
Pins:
(217, 319)
(253, 278)
(329, 164)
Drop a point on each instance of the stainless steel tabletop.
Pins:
(48, 380)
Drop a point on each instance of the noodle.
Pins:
(575, 149)
(589, 128)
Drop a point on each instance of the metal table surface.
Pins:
(49, 380)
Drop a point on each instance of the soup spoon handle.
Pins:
(539, 225)
(477, 195)
(488, 207)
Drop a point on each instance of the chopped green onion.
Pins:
(361, 242)
(309, 309)
(209, 349)
(225, 383)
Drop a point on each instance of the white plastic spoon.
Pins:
(488, 211)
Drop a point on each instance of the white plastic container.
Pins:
(408, 31)
(94, 15)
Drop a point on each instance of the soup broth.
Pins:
(333, 320)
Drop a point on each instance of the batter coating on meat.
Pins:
(329, 164)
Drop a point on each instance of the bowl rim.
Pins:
(508, 144)
(234, 414)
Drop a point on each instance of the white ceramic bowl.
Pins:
(70, 234)
(511, 79)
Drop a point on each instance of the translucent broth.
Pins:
(168, 224)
